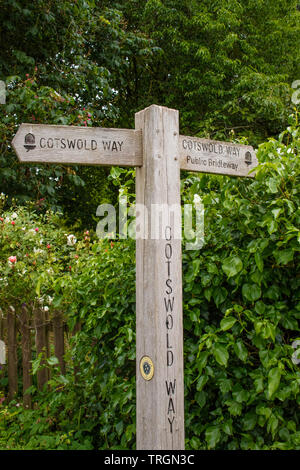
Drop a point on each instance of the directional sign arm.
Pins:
(211, 156)
(39, 143)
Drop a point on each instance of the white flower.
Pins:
(14, 215)
(7, 219)
(50, 299)
(71, 240)
(46, 308)
(38, 251)
(197, 199)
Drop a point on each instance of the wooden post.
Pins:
(12, 354)
(3, 330)
(41, 347)
(26, 355)
(76, 329)
(2, 325)
(47, 335)
(59, 341)
(159, 330)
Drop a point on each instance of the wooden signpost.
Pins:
(159, 153)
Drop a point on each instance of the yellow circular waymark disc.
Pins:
(146, 368)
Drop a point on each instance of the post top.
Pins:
(156, 106)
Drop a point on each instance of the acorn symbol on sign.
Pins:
(248, 158)
(29, 142)
(146, 368)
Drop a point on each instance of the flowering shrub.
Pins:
(35, 250)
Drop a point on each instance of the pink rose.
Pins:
(12, 260)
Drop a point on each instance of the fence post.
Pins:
(26, 355)
(41, 347)
(47, 334)
(3, 338)
(59, 342)
(12, 354)
(76, 329)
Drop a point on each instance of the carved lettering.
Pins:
(170, 358)
(171, 387)
(171, 424)
(168, 284)
(169, 322)
(171, 408)
(169, 304)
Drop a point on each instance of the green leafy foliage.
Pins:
(241, 309)
(226, 65)
(59, 62)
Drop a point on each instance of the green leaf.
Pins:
(234, 408)
(259, 261)
(272, 184)
(201, 382)
(272, 425)
(260, 307)
(52, 360)
(283, 256)
(220, 294)
(200, 398)
(251, 292)
(232, 266)
(120, 427)
(240, 350)
(212, 436)
(38, 288)
(221, 354)
(208, 293)
(274, 377)
(227, 323)
(249, 421)
(195, 443)
(225, 385)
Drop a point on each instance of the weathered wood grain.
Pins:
(59, 340)
(159, 331)
(41, 346)
(212, 156)
(26, 355)
(12, 354)
(42, 143)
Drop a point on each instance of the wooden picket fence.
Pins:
(26, 333)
